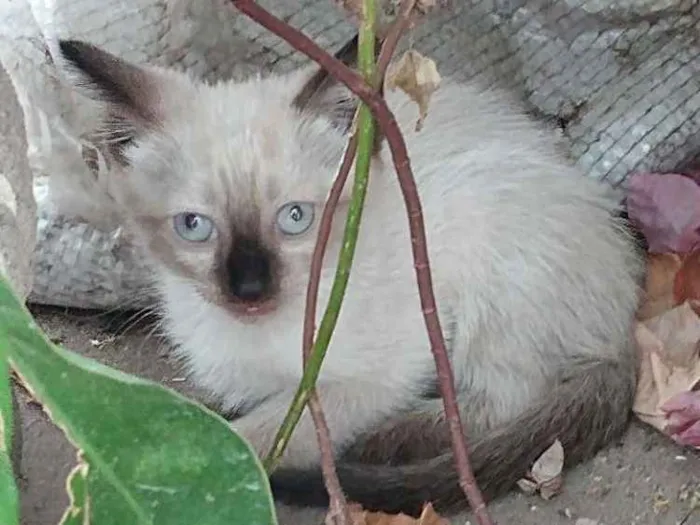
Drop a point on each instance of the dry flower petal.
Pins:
(662, 270)
(529, 487)
(545, 474)
(678, 330)
(549, 465)
(686, 285)
(683, 415)
(551, 488)
(427, 517)
(688, 402)
(430, 517)
(664, 206)
(418, 77)
(669, 363)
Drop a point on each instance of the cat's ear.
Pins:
(323, 94)
(132, 95)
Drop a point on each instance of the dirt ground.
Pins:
(644, 480)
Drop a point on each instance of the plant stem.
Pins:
(365, 142)
(402, 163)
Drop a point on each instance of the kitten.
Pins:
(536, 278)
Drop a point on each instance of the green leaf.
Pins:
(78, 511)
(148, 455)
(9, 511)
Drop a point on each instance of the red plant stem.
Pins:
(338, 509)
(393, 36)
(324, 231)
(390, 129)
(338, 512)
(388, 47)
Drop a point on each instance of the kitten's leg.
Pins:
(350, 409)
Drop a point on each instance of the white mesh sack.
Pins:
(621, 78)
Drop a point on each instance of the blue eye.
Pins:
(193, 227)
(294, 218)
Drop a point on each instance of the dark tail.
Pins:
(588, 409)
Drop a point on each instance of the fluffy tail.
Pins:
(589, 408)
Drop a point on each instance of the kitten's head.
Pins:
(224, 184)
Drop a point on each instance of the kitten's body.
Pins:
(535, 280)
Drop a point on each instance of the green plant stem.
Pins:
(365, 145)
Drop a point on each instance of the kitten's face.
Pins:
(224, 184)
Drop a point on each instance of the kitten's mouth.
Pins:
(252, 310)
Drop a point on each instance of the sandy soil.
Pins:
(645, 479)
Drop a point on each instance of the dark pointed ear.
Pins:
(325, 95)
(131, 94)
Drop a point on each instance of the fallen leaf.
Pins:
(678, 330)
(418, 77)
(528, 486)
(428, 517)
(662, 270)
(686, 285)
(664, 206)
(668, 347)
(683, 415)
(545, 474)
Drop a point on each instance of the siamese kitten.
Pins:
(536, 278)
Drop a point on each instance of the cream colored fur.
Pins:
(530, 270)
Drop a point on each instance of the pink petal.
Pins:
(683, 416)
(686, 403)
(690, 436)
(664, 206)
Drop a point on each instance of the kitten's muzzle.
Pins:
(250, 272)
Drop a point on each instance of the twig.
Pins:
(310, 373)
(389, 45)
(326, 223)
(324, 232)
(399, 153)
(338, 509)
(338, 513)
(393, 35)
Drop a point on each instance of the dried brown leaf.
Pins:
(545, 476)
(427, 517)
(418, 77)
(659, 287)
(551, 488)
(529, 487)
(668, 347)
(687, 282)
